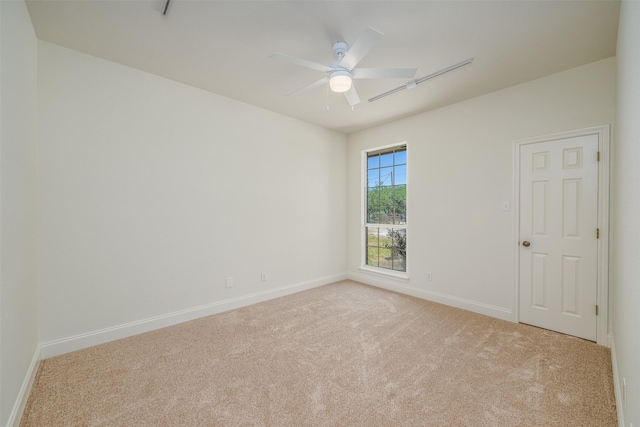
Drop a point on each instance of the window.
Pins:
(385, 209)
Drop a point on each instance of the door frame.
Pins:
(602, 287)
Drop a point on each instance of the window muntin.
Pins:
(386, 208)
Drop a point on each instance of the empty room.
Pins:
(319, 213)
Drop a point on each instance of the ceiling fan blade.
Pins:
(352, 96)
(384, 73)
(360, 48)
(311, 86)
(414, 83)
(301, 62)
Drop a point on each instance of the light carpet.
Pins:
(344, 354)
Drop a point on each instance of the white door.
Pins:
(558, 242)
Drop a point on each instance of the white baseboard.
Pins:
(78, 342)
(25, 390)
(617, 387)
(405, 288)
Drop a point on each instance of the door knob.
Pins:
(526, 244)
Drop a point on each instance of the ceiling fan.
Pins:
(343, 71)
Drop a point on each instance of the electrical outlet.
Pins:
(429, 277)
(263, 277)
(229, 282)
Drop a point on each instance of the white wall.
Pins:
(460, 172)
(152, 192)
(18, 278)
(626, 211)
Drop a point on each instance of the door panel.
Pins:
(558, 217)
(538, 280)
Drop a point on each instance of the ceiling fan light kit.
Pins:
(340, 81)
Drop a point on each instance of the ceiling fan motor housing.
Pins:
(340, 49)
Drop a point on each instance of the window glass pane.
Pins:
(385, 248)
(399, 175)
(373, 202)
(398, 248)
(385, 205)
(372, 246)
(386, 159)
(400, 157)
(385, 259)
(372, 256)
(385, 194)
(373, 177)
(373, 215)
(372, 236)
(386, 176)
(373, 162)
(383, 215)
(400, 204)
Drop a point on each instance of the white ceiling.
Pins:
(224, 46)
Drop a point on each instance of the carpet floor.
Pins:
(344, 354)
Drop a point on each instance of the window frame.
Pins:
(381, 271)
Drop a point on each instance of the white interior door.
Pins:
(558, 242)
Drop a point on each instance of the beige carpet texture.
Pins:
(344, 354)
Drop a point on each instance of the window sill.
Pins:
(403, 277)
